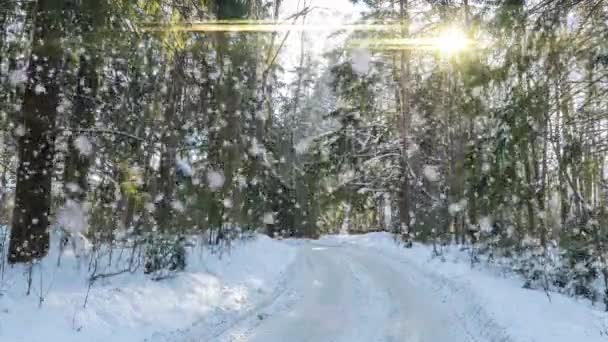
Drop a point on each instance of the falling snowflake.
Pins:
(268, 218)
(485, 167)
(178, 206)
(431, 173)
(302, 146)
(256, 148)
(149, 206)
(455, 208)
(72, 187)
(476, 92)
(184, 167)
(39, 89)
(17, 77)
(83, 145)
(20, 131)
(63, 106)
(73, 217)
(485, 223)
(215, 180)
(214, 75)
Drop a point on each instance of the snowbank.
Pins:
(525, 315)
(132, 307)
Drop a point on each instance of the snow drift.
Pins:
(131, 306)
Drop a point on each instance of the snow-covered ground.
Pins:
(340, 289)
(490, 295)
(210, 294)
(367, 288)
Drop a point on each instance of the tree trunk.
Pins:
(29, 236)
(77, 163)
(170, 138)
(529, 188)
(405, 119)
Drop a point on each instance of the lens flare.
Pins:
(452, 40)
(448, 41)
(263, 26)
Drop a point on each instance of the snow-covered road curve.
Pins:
(343, 293)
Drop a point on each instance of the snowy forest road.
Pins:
(343, 293)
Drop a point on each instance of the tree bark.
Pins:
(29, 236)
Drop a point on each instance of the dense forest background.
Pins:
(124, 123)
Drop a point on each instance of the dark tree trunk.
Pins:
(405, 122)
(77, 163)
(166, 180)
(404, 200)
(29, 236)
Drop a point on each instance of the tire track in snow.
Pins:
(461, 303)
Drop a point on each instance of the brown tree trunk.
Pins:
(29, 236)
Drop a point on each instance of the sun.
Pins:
(452, 40)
